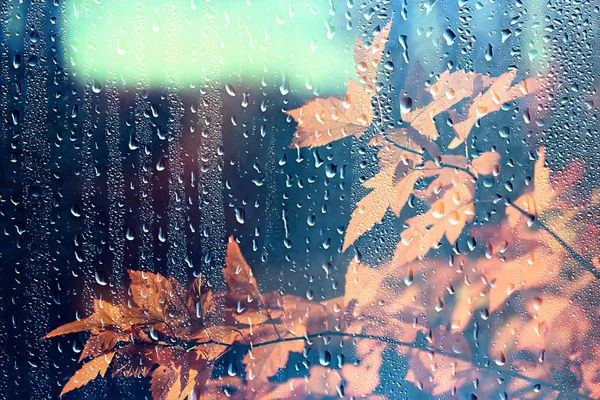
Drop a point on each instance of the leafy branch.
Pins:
(176, 335)
(184, 340)
(421, 346)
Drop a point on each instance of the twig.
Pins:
(419, 153)
(428, 157)
(576, 256)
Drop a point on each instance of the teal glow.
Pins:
(307, 42)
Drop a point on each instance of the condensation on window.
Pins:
(255, 199)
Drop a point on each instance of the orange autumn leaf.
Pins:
(371, 208)
(106, 316)
(451, 292)
(199, 299)
(165, 384)
(223, 387)
(238, 275)
(591, 375)
(179, 331)
(398, 149)
(187, 391)
(88, 372)
(500, 92)
(450, 213)
(101, 343)
(130, 338)
(263, 362)
(80, 325)
(363, 379)
(442, 371)
(367, 59)
(447, 217)
(322, 121)
(133, 360)
(197, 380)
(542, 193)
(486, 163)
(493, 282)
(449, 90)
(393, 186)
(302, 317)
(320, 382)
(250, 305)
(376, 308)
(545, 193)
(544, 342)
(162, 299)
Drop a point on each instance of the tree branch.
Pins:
(576, 256)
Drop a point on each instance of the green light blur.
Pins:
(154, 40)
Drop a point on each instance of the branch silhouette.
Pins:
(484, 365)
(586, 264)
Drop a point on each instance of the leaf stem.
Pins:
(380, 109)
(463, 169)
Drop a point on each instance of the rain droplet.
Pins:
(230, 90)
(101, 277)
(161, 164)
(501, 359)
(324, 358)
(449, 37)
(96, 86)
(76, 211)
(439, 304)
(489, 52)
(438, 210)
(130, 234)
(240, 215)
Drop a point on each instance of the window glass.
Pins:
(318, 199)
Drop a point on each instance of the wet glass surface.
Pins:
(299, 199)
